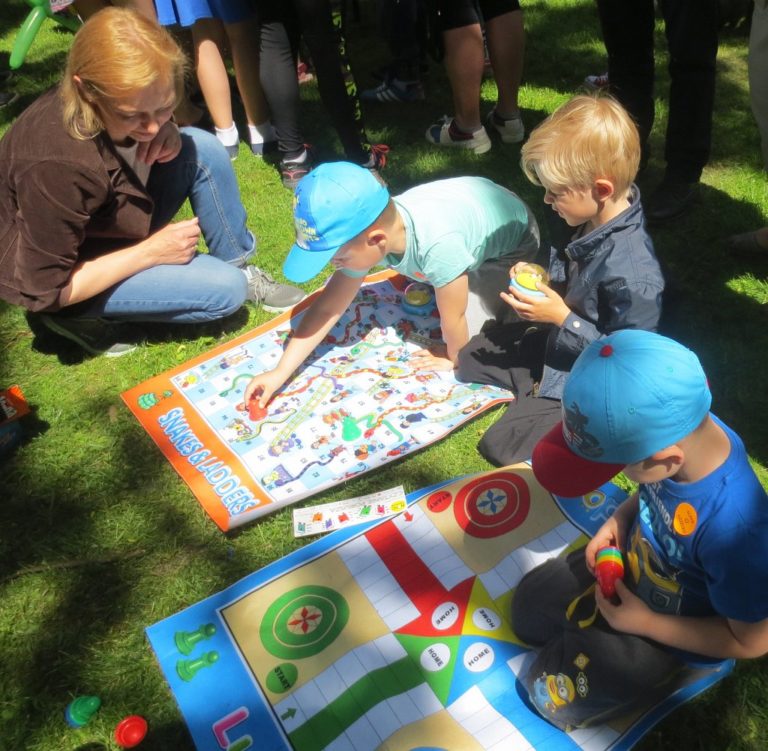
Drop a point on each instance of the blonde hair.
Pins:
(116, 53)
(588, 138)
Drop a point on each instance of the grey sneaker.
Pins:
(272, 295)
(95, 335)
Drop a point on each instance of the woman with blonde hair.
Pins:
(91, 176)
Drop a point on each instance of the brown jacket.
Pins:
(61, 201)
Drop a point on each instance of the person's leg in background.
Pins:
(692, 28)
(756, 241)
(758, 72)
(464, 55)
(627, 27)
(505, 36)
(278, 31)
(209, 39)
(401, 24)
(464, 60)
(322, 28)
(246, 63)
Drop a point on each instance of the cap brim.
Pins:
(301, 265)
(563, 472)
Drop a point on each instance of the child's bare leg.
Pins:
(245, 59)
(208, 39)
(464, 65)
(186, 113)
(506, 47)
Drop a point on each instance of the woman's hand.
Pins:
(176, 243)
(164, 147)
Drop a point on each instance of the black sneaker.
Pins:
(97, 336)
(292, 171)
(377, 161)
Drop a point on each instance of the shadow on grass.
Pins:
(69, 353)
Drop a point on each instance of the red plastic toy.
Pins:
(255, 412)
(609, 566)
(130, 731)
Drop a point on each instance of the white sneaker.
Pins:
(511, 131)
(445, 133)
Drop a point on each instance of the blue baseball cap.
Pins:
(332, 204)
(627, 397)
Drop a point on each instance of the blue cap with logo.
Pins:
(333, 204)
(627, 397)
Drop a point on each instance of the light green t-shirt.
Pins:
(455, 225)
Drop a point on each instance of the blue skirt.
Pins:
(186, 12)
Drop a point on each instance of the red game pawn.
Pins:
(255, 412)
(609, 566)
(130, 731)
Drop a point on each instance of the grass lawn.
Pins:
(99, 537)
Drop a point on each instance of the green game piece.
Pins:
(282, 677)
(80, 710)
(349, 429)
(186, 640)
(187, 669)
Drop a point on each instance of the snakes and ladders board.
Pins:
(394, 636)
(354, 405)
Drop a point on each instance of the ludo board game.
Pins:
(393, 636)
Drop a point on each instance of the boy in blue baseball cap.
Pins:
(694, 536)
(460, 235)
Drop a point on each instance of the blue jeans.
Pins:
(209, 286)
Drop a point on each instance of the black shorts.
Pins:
(453, 14)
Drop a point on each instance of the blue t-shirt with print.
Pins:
(701, 548)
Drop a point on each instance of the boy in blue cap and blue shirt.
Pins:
(461, 235)
(694, 536)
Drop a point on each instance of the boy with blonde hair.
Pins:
(603, 271)
(460, 235)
